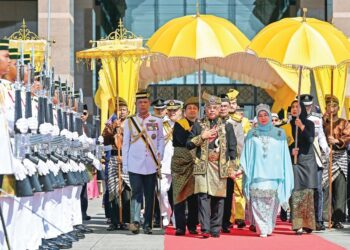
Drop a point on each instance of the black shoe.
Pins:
(123, 227)
(134, 227)
(156, 224)
(215, 234)
(225, 230)
(147, 230)
(299, 232)
(69, 237)
(240, 224)
(283, 215)
(320, 226)
(48, 243)
(337, 225)
(46, 247)
(180, 232)
(84, 229)
(307, 230)
(192, 231)
(86, 217)
(252, 228)
(61, 243)
(112, 227)
(78, 234)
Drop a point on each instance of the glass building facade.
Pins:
(144, 17)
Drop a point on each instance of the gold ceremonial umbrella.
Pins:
(302, 42)
(194, 38)
(26, 40)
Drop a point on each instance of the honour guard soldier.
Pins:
(320, 141)
(215, 144)
(174, 111)
(143, 146)
(238, 212)
(159, 108)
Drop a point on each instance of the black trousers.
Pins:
(318, 197)
(142, 185)
(228, 203)
(192, 213)
(210, 212)
(114, 210)
(84, 201)
(338, 199)
(107, 204)
(156, 213)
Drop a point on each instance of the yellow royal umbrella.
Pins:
(303, 43)
(198, 37)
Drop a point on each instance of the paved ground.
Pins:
(102, 239)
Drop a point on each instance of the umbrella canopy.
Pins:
(198, 37)
(302, 41)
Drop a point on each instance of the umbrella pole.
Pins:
(330, 161)
(120, 180)
(297, 130)
(199, 89)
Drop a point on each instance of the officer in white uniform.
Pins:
(174, 111)
(319, 142)
(143, 147)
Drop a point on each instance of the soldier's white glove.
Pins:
(81, 167)
(33, 123)
(74, 166)
(53, 167)
(42, 168)
(22, 125)
(63, 166)
(75, 135)
(19, 170)
(30, 166)
(55, 130)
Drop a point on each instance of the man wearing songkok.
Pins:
(182, 171)
(113, 134)
(143, 146)
(238, 211)
(339, 139)
(215, 144)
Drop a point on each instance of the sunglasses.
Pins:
(275, 120)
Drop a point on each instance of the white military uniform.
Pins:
(136, 157)
(320, 138)
(165, 208)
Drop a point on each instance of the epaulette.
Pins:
(316, 114)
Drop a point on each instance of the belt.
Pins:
(115, 152)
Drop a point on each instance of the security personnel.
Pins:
(174, 111)
(159, 108)
(143, 147)
(320, 141)
(238, 212)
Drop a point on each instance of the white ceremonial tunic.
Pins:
(320, 138)
(136, 157)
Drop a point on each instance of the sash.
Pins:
(168, 131)
(145, 138)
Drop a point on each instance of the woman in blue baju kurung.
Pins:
(268, 173)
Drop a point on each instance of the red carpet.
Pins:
(282, 239)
